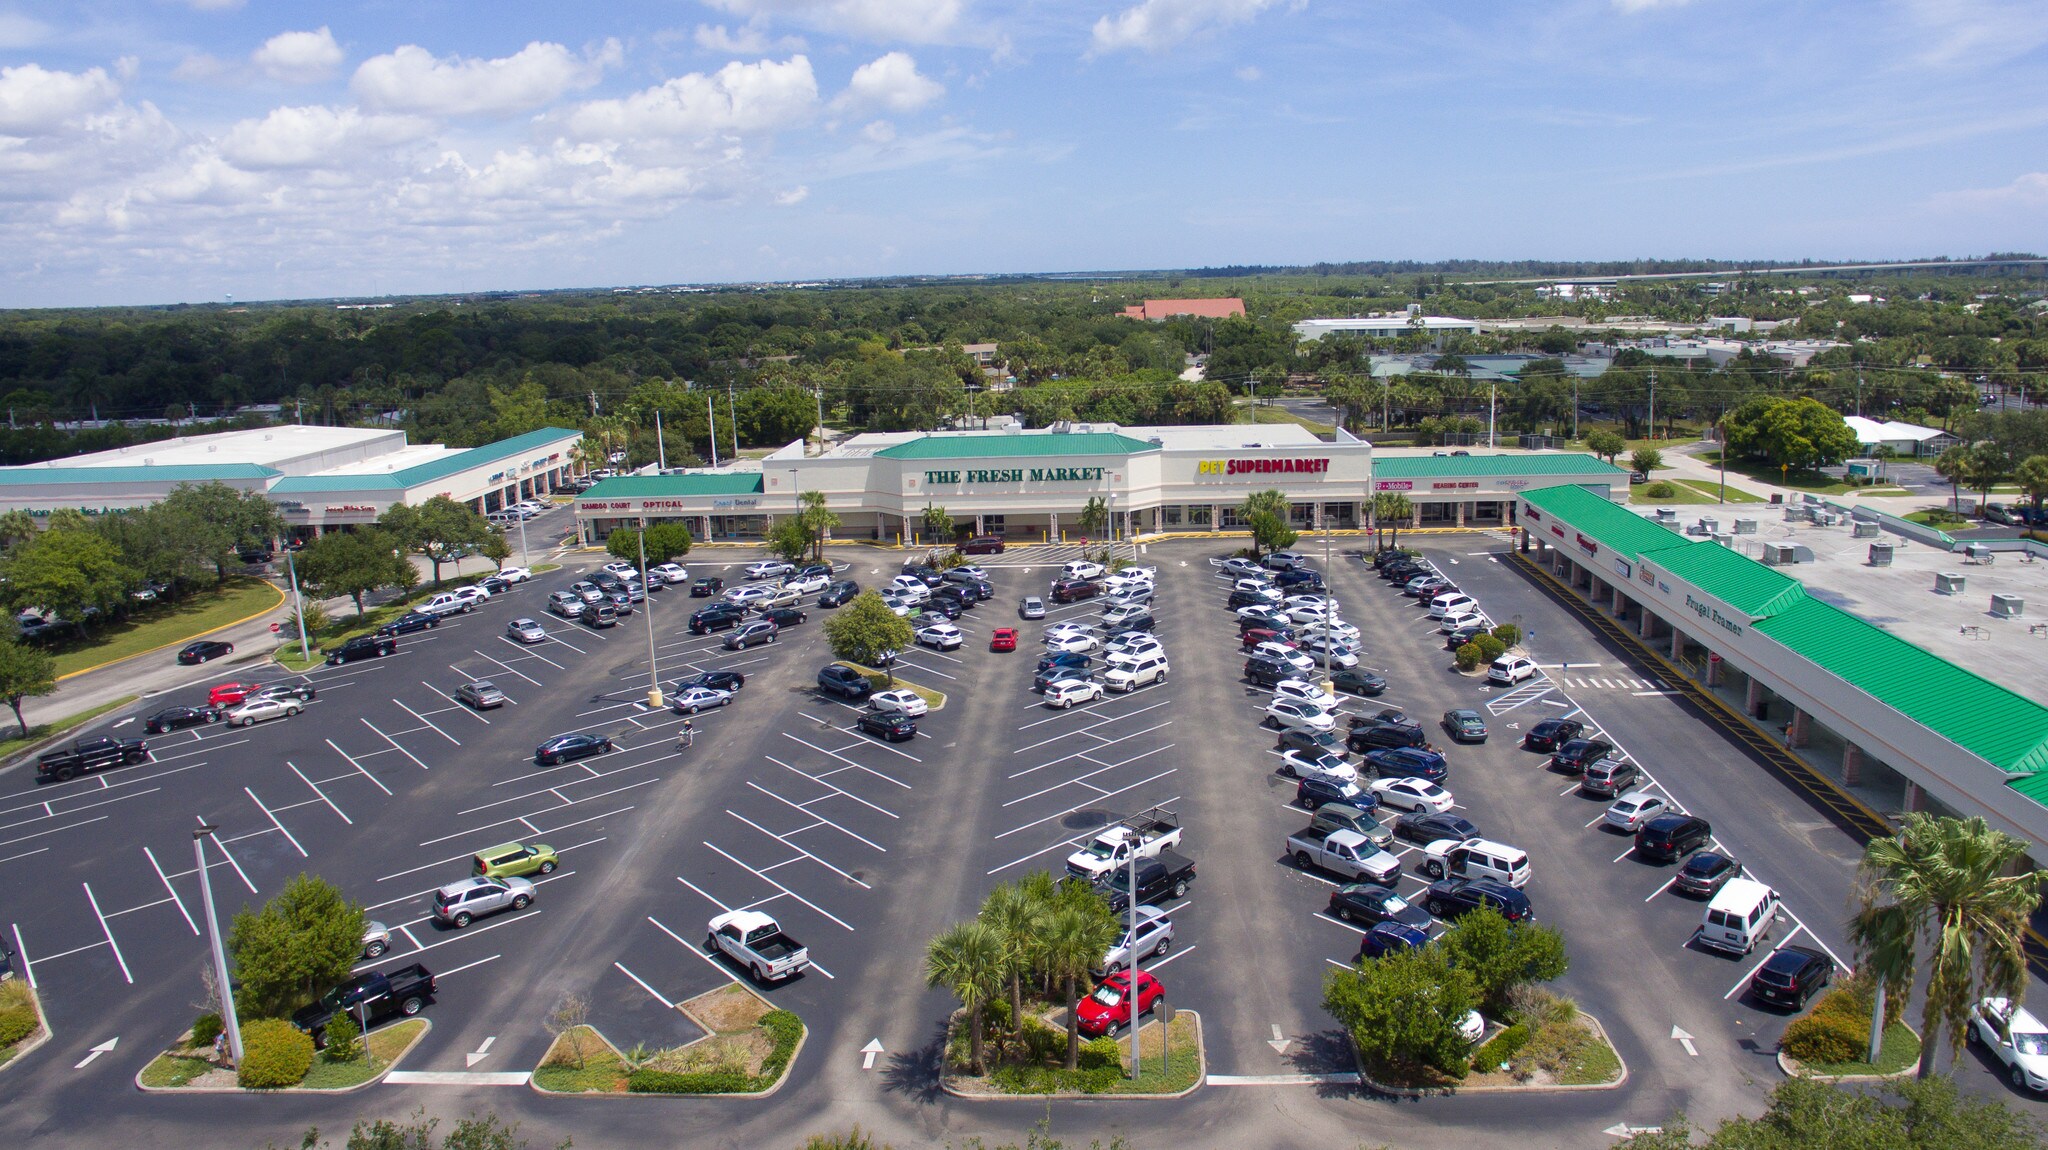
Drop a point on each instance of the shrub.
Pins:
(1508, 634)
(1661, 490)
(1046, 1080)
(344, 1039)
(696, 1082)
(275, 1054)
(1100, 1053)
(995, 1014)
(205, 1029)
(1501, 1048)
(1041, 1043)
(786, 1030)
(1468, 657)
(16, 1025)
(1855, 997)
(1490, 648)
(1555, 1046)
(1826, 1038)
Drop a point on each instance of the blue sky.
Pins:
(168, 150)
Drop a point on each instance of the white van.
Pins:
(1740, 917)
(1452, 603)
(1476, 858)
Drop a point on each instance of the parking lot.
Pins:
(864, 850)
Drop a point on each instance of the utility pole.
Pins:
(660, 447)
(229, 1025)
(647, 609)
(1651, 429)
(1575, 407)
(1859, 393)
(732, 413)
(1132, 948)
(711, 414)
(819, 391)
(299, 602)
(593, 405)
(1489, 414)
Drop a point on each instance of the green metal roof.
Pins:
(1012, 446)
(1603, 521)
(134, 473)
(673, 486)
(1735, 578)
(1538, 463)
(2006, 729)
(2034, 786)
(515, 450)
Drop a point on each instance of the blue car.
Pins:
(1065, 659)
(1408, 763)
(409, 622)
(1390, 938)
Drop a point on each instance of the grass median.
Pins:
(9, 747)
(156, 625)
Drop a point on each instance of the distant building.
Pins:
(1582, 289)
(1900, 438)
(1387, 326)
(1158, 309)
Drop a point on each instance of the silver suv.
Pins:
(1610, 777)
(460, 903)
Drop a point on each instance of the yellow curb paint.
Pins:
(275, 589)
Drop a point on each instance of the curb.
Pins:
(275, 589)
(534, 1085)
(1791, 1067)
(21, 757)
(946, 1081)
(1366, 1080)
(290, 1090)
(22, 1051)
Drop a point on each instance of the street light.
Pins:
(647, 605)
(298, 605)
(220, 956)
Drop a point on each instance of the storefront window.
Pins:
(992, 524)
(1229, 518)
(1169, 516)
(1198, 517)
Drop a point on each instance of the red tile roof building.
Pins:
(1156, 309)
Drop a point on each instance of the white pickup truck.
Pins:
(755, 941)
(1142, 835)
(1342, 852)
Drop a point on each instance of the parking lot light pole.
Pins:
(647, 601)
(220, 956)
(524, 560)
(298, 606)
(1131, 949)
(1329, 606)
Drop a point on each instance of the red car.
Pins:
(1003, 639)
(229, 694)
(1110, 1006)
(1258, 635)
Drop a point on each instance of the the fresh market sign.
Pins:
(1262, 466)
(1018, 475)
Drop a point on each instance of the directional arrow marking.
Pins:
(1684, 1040)
(868, 1053)
(480, 1053)
(1622, 1130)
(102, 1048)
(1278, 1043)
(125, 721)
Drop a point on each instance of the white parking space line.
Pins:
(554, 638)
(700, 890)
(642, 983)
(1091, 774)
(359, 767)
(51, 814)
(1077, 806)
(458, 936)
(115, 946)
(1189, 949)
(528, 652)
(784, 840)
(21, 948)
(822, 820)
(161, 877)
(696, 950)
(441, 974)
(785, 890)
(269, 814)
(507, 666)
(394, 742)
(851, 762)
(429, 722)
(231, 860)
(316, 790)
(458, 706)
(536, 830)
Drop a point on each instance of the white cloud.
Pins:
(749, 39)
(1633, 6)
(879, 132)
(316, 137)
(913, 21)
(35, 101)
(793, 196)
(18, 31)
(216, 5)
(760, 97)
(1156, 25)
(1250, 74)
(201, 66)
(299, 57)
(2028, 192)
(1973, 33)
(891, 82)
(411, 79)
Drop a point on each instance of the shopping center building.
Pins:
(319, 477)
(1034, 485)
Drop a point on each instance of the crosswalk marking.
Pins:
(1613, 684)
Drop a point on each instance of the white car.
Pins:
(1155, 934)
(1264, 614)
(1310, 600)
(1072, 645)
(898, 605)
(1066, 692)
(2016, 1037)
(768, 569)
(1472, 1027)
(1453, 603)
(1081, 569)
(697, 699)
(1459, 622)
(1133, 644)
(1633, 809)
(809, 584)
(514, 574)
(1510, 669)
(587, 591)
(1299, 716)
(1238, 566)
(749, 594)
(1265, 592)
(1409, 794)
(1286, 656)
(471, 595)
(1303, 691)
(911, 588)
(1336, 653)
(669, 573)
(907, 702)
(970, 571)
(567, 604)
(527, 631)
(1069, 627)
(532, 506)
(621, 568)
(257, 709)
(1310, 616)
(941, 637)
(1299, 764)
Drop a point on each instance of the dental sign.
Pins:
(1229, 467)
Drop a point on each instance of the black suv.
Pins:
(1791, 976)
(1550, 734)
(1264, 672)
(1576, 755)
(929, 576)
(716, 619)
(706, 587)
(1407, 763)
(1247, 599)
(839, 594)
(1313, 793)
(1668, 838)
(1452, 897)
(842, 680)
(1311, 742)
(1382, 735)
(946, 606)
(362, 647)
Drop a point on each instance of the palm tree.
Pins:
(1953, 464)
(2032, 476)
(1016, 916)
(1272, 502)
(1074, 941)
(1389, 508)
(967, 960)
(1948, 879)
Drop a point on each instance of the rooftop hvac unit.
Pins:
(1725, 539)
(1948, 583)
(2008, 606)
(1780, 554)
(1667, 515)
(1745, 526)
(1864, 529)
(1795, 513)
(1709, 525)
(1880, 554)
(1978, 553)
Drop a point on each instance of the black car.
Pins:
(706, 587)
(1705, 873)
(1550, 734)
(1577, 754)
(1390, 938)
(1423, 829)
(718, 618)
(1064, 659)
(1402, 570)
(1464, 635)
(944, 608)
(714, 680)
(1312, 793)
(1075, 590)
(1369, 902)
(178, 718)
(1358, 681)
(839, 594)
(302, 692)
(1051, 675)
(497, 584)
(566, 748)
(1379, 736)
(1452, 897)
(1246, 599)
(894, 726)
(1791, 977)
(1313, 742)
(1668, 838)
(204, 650)
(1407, 763)
(409, 622)
(784, 616)
(1299, 579)
(1380, 559)
(1393, 715)
(929, 576)
(1264, 672)
(1143, 622)
(362, 647)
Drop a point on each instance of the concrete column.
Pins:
(1414, 516)
(1618, 601)
(1646, 624)
(1461, 512)
(1215, 517)
(707, 528)
(1796, 734)
(1753, 706)
(1677, 646)
(1716, 670)
(977, 524)
(1852, 764)
(1916, 800)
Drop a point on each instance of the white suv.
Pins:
(1510, 669)
(1128, 674)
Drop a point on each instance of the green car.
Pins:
(511, 860)
(1465, 726)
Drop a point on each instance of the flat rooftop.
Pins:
(1901, 598)
(1227, 436)
(267, 446)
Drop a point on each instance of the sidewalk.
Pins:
(154, 672)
